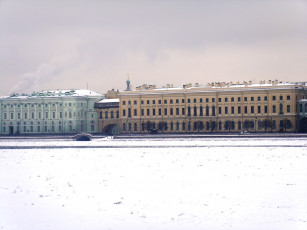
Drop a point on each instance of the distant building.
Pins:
(49, 112)
(217, 107)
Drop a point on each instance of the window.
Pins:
(61, 114)
(220, 110)
(177, 126)
(18, 115)
(200, 100)
(183, 126)
(288, 97)
(265, 109)
(189, 111)
(259, 109)
(213, 99)
(153, 102)
(70, 114)
(177, 111)
(245, 98)
(252, 109)
(160, 111)
(213, 110)
(194, 100)
(165, 101)
(245, 109)
(171, 101)
(135, 127)
(274, 108)
(12, 116)
(226, 99)
(220, 99)
(189, 100)
(207, 100)
(258, 98)
(147, 102)
(135, 102)
(160, 101)
(207, 111)
(281, 98)
(142, 102)
(112, 113)
(124, 102)
(232, 109)
(195, 111)
(142, 112)
(182, 101)
(226, 110)
(117, 114)
(183, 111)
(26, 116)
(148, 112)
(135, 113)
(165, 112)
(154, 112)
(129, 102)
(124, 127)
(39, 115)
(232, 99)
(265, 98)
(177, 101)
(274, 98)
(106, 115)
(239, 98)
(201, 111)
(171, 111)
(53, 115)
(281, 109)
(288, 109)
(124, 112)
(129, 112)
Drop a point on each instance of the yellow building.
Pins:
(217, 107)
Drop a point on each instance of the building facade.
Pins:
(49, 112)
(218, 107)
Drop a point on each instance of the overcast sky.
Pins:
(65, 44)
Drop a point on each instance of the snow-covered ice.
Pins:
(250, 184)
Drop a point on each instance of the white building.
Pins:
(49, 112)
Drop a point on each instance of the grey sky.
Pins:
(66, 44)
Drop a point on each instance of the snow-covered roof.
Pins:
(109, 100)
(58, 93)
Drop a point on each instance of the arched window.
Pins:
(213, 110)
(112, 114)
(106, 115)
(117, 114)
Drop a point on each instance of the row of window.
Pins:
(40, 105)
(48, 115)
(209, 126)
(232, 99)
(205, 111)
(106, 114)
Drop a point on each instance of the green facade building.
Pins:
(49, 112)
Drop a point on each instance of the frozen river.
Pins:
(182, 184)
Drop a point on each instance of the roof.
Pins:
(109, 100)
(57, 93)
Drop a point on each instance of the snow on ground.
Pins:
(155, 188)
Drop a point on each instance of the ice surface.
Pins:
(241, 186)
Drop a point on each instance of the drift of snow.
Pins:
(154, 188)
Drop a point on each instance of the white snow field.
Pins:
(185, 184)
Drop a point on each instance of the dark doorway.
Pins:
(11, 130)
(111, 129)
(303, 125)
